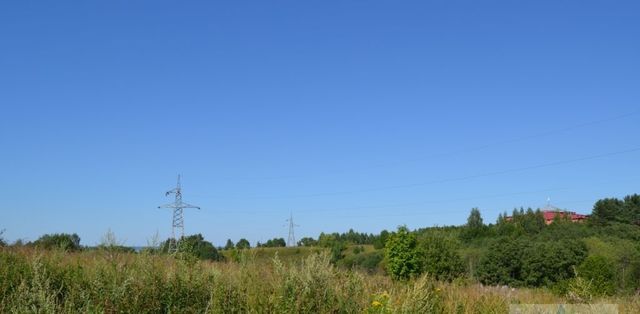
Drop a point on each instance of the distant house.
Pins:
(550, 212)
(550, 215)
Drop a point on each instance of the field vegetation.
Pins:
(473, 268)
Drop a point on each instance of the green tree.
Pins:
(440, 258)
(63, 241)
(475, 227)
(502, 262)
(532, 222)
(545, 263)
(276, 242)
(401, 254)
(380, 240)
(530, 262)
(229, 245)
(631, 209)
(607, 210)
(600, 271)
(196, 246)
(243, 244)
(307, 241)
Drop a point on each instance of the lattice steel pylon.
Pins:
(291, 241)
(178, 219)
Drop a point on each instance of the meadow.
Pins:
(283, 280)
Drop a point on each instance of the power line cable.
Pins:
(395, 205)
(455, 179)
(453, 152)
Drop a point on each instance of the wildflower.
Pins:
(376, 303)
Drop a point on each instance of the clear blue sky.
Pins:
(350, 114)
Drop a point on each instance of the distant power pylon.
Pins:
(291, 241)
(178, 219)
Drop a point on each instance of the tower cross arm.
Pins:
(187, 205)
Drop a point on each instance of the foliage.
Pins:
(2, 241)
(243, 244)
(546, 263)
(307, 241)
(522, 262)
(401, 255)
(55, 282)
(368, 261)
(195, 246)
(276, 242)
(623, 257)
(62, 241)
(502, 263)
(440, 257)
(229, 245)
(474, 228)
(380, 240)
(599, 271)
(521, 222)
(614, 210)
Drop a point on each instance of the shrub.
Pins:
(401, 255)
(440, 258)
(600, 271)
(528, 262)
(243, 244)
(62, 241)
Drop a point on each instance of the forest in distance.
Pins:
(476, 267)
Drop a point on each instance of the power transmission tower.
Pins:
(291, 241)
(178, 219)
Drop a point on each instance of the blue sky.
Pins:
(350, 114)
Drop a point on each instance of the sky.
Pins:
(345, 114)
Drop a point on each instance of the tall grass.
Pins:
(33, 281)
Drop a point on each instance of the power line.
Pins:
(455, 179)
(458, 151)
(395, 205)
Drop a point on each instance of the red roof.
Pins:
(550, 215)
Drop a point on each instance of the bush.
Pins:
(440, 258)
(600, 271)
(195, 246)
(527, 262)
(501, 264)
(276, 242)
(401, 255)
(62, 241)
(366, 261)
(545, 263)
(243, 244)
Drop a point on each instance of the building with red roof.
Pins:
(550, 212)
(550, 215)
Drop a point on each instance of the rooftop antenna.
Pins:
(291, 241)
(178, 219)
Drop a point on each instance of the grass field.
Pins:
(296, 280)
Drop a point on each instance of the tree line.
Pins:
(520, 250)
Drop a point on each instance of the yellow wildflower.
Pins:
(376, 303)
